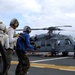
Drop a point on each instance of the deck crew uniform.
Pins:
(4, 39)
(12, 39)
(22, 45)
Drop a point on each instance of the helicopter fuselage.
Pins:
(54, 43)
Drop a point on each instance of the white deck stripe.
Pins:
(49, 59)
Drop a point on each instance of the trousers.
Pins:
(23, 64)
(8, 57)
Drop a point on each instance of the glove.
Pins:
(35, 47)
(9, 49)
(38, 47)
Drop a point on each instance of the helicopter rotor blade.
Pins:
(64, 26)
(68, 30)
(48, 28)
(33, 29)
(19, 29)
(40, 29)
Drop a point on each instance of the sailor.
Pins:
(3, 36)
(12, 33)
(22, 46)
(12, 38)
(4, 45)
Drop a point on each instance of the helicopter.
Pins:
(53, 42)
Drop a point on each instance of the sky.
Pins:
(39, 14)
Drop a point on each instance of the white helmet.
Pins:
(27, 29)
(2, 27)
(1, 22)
(14, 22)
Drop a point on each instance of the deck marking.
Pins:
(50, 66)
(49, 59)
(38, 65)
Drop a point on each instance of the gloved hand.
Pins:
(38, 47)
(9, 49)
(35, 47)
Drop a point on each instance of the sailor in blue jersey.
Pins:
(22, 45)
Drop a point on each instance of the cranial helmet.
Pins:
(27, 29)
(2, 27)
(14, 22)
(1, 22)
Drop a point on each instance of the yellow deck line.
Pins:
(40, 65)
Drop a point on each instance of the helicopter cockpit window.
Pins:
(42, 42)
(48, 43)
(67, 41)
(36, 38)
(58, 42)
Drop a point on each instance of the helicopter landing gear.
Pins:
(74, 53)
(49, 54)
(65, 53)
(53, 52)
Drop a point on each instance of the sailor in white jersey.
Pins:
(12, 36)
(4, 39)
(12, 33)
